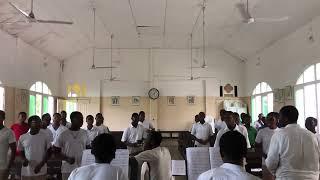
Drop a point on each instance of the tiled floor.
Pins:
(172, 145)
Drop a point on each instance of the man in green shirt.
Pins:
(252, 132)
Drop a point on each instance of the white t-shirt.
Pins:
(102, 129)
(264, 136)
(6, 138)
(227, 172)
(219, 124)
(92, 133)
(72, 144)
(98, 172)
(293, 154)
(146, 124)
(48, 132)
(56, 133)
(202, 131)
(237, 128)
(159, 160)
(35, 148)
(133, 135)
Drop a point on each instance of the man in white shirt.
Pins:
(133, 136)
(202, 132)
(242, 128)
(34, 147)
(145, 123)
(233, 150)
(99, 124)
(56, 128)
(260, 122)
(196, 121)
(46, 121)
(103, 149)
(70, 145)
(91, 130)
(263, 142)
(293, 152)
(231, 126)
(7, 140)
(220, 123)
(64, 121)
(158, 158)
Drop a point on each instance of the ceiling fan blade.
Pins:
(55, 22)
(20, 10)
(243, 11)
(271, 19)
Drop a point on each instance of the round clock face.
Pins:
(154, 93)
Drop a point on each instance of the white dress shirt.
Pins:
(57, 132)
(219, 124)
(133, 135)
(103, 129)
(293, 154)
(159, 160)
(237, 128)
(227, 172)
(92, 133)
(98, 172)
(6, 138)
(202, 131)
(146, 124)
(264, 136)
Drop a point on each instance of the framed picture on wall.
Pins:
(191, 100)
(279, 95)
(171, 100)
(115, 100)
(288, 93)
(135, 100)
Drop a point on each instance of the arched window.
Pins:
(2, 97)
(40, 99)
(307, 94)
(71, 104)
(262, 100)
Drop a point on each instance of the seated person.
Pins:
(233, 150)
(104, 151)
(158, 158)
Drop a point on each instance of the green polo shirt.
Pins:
(252, 133)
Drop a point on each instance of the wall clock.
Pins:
(154, 93)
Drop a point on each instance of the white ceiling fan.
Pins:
(32, 19)
(249, 19)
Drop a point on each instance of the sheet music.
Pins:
(178, 167)
(215, 157)
(121, 160)
(198, 161)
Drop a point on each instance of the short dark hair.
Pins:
(2, 115)
(34, 118)
(310, 121)
(135, 115)
(104, 147)
(141, 112)
(99, 114)
(46, 115)
(290, 112)
(156, 137)
(22, 114)
(74, 114)
(90, 117)
(57, 114)
(233, 145)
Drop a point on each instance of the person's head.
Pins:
(233, 147)
(271, 120)
(221, 112)
(76, 118)
(34, 124)
(2, 117)
(229, 120)
(56, 119)
(236, 118)
(196, 118)
(142, 116)
(64, 115)
(242, 116)
(153, 140)
(99, 119)
(247, 120)
(260, 116)
(311, 124)
(89, 120)
(46, 120)
(288, 115)
(103, 148)
(201, 117)
(22, 117)
(135, 119)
